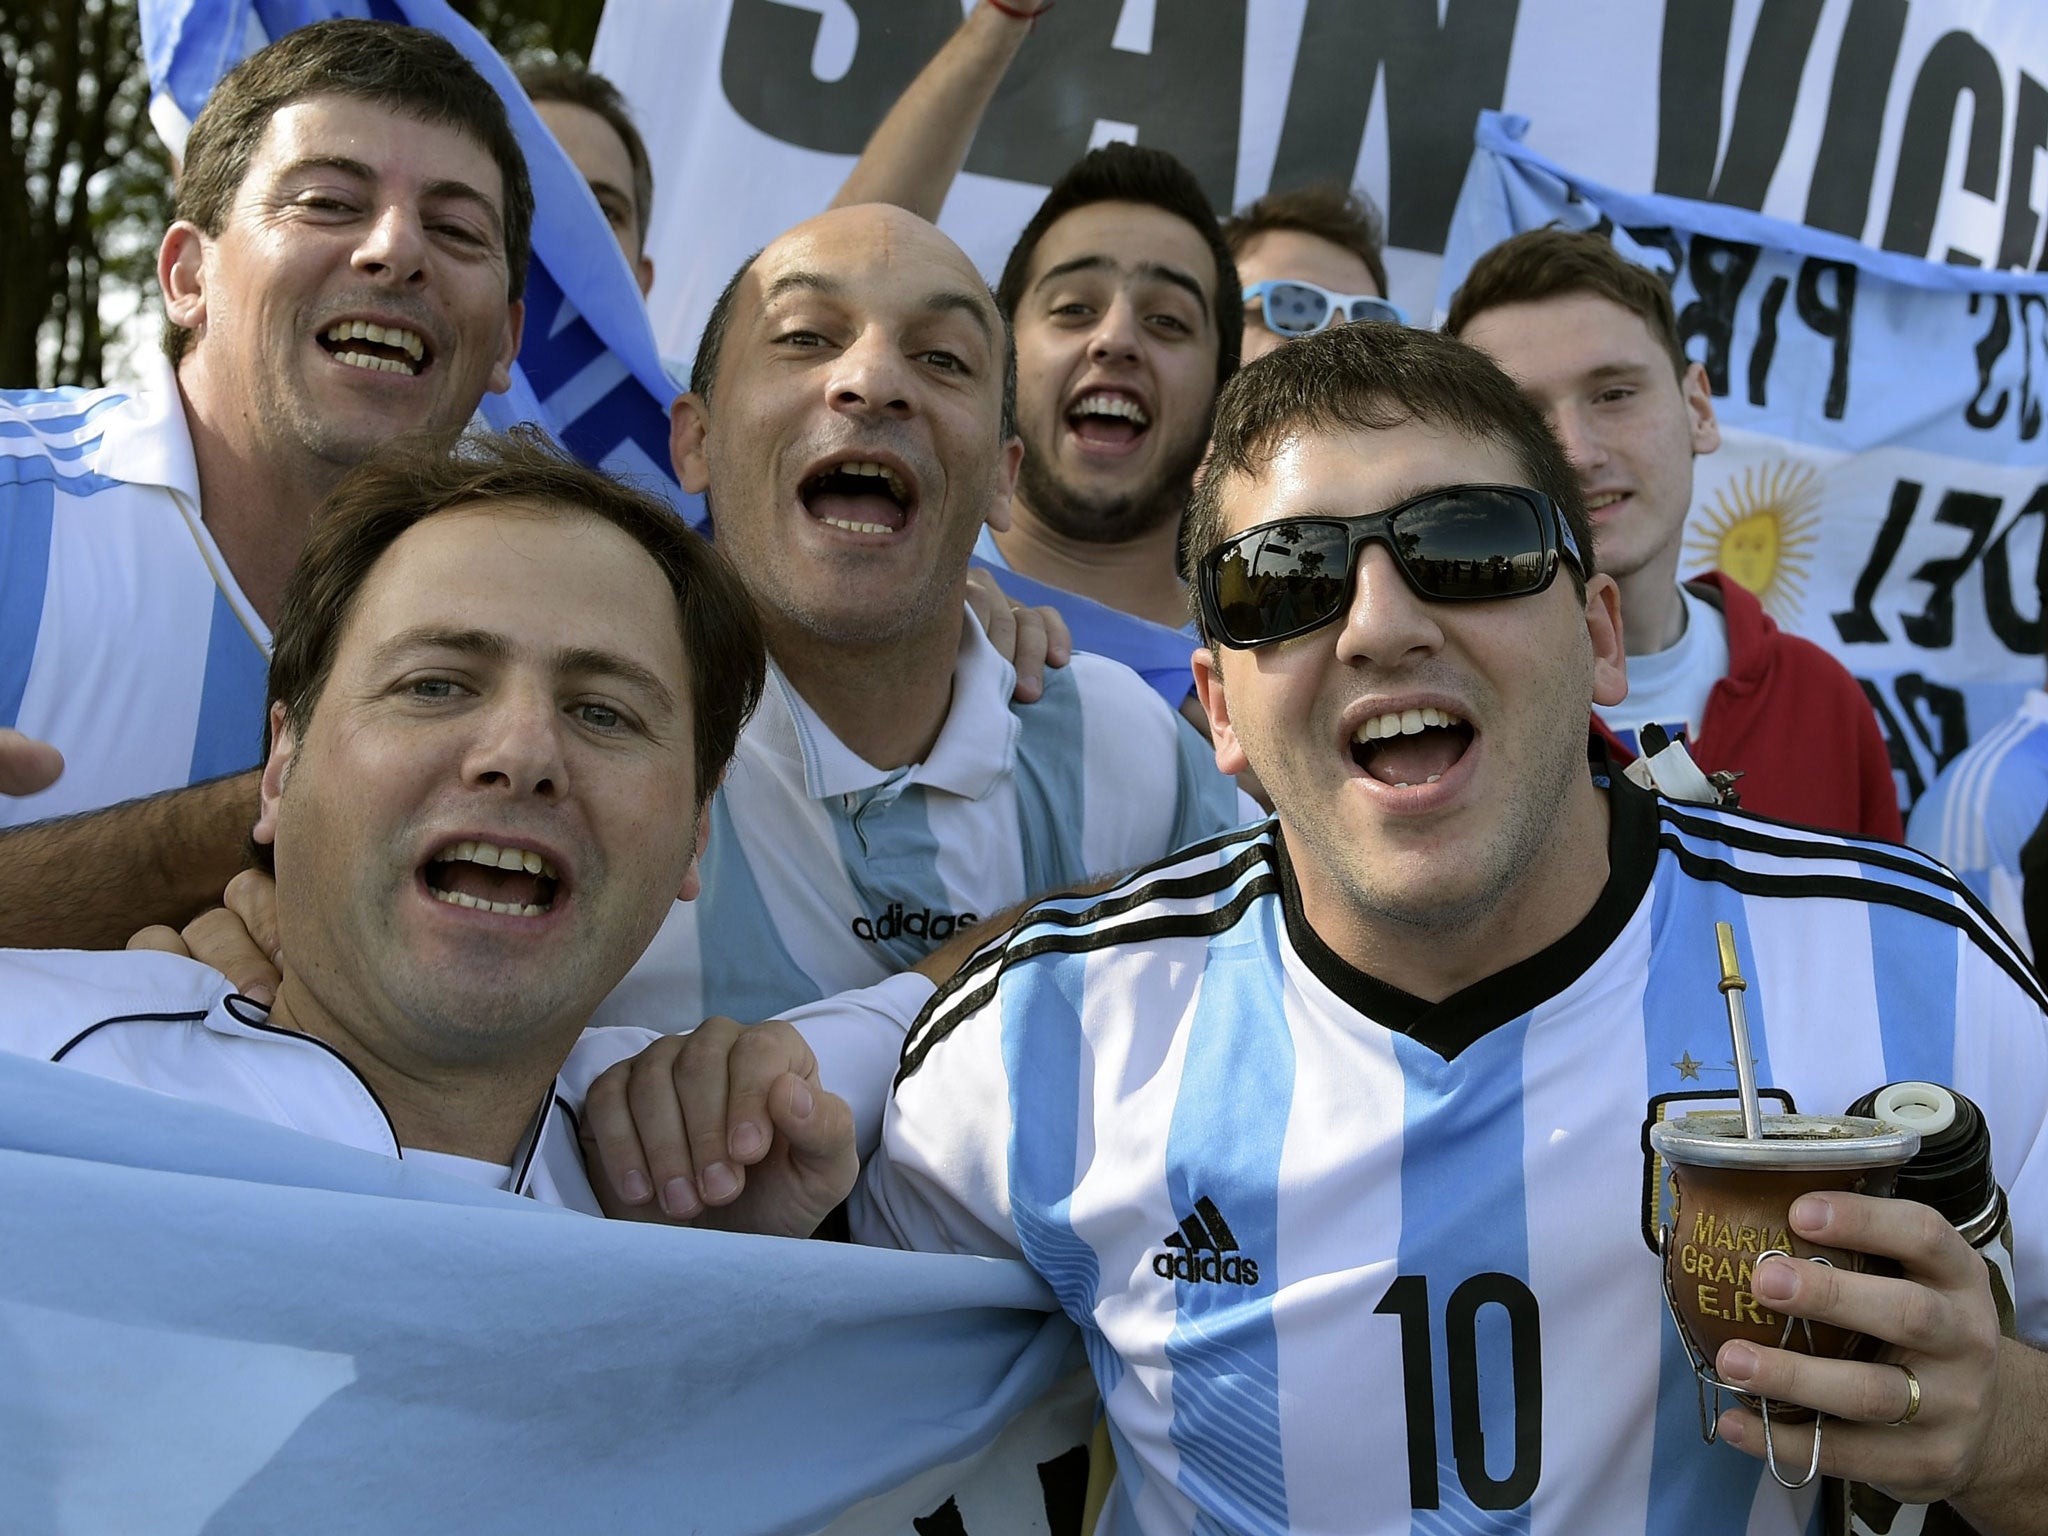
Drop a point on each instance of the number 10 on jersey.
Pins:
(1457, 1333)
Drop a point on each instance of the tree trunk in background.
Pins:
(83, 184)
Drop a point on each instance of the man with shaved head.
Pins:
(850, 424)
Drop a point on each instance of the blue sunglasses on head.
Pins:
(1296, 308)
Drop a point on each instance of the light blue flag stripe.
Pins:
(584, 311)
(24, 576)
(238, 1328)
(229, 737)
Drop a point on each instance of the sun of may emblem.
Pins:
(1760, 529)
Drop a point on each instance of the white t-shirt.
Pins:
(1670, 688)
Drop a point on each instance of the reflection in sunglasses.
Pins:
(1464, 543)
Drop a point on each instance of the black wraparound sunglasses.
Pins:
(1465, 543)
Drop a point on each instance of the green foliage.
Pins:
(85, 189)
(517, 28)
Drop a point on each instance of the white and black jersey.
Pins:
(175, 1026)
(1347, 1261)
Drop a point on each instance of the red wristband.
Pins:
(1019, 12)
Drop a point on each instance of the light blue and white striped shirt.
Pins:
(1346, 1261)
(825, 873)
(124, 640)
(1977, 816)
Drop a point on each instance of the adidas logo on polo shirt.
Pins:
(923, 923)
(1205, 1228)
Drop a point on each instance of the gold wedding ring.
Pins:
(1912, 1400)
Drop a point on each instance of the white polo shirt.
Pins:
(824, 873)
(124, 640)
(175, 1026)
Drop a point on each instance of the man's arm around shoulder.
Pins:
(91, 880)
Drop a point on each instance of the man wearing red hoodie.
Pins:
(1593, 341)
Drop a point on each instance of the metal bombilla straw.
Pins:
(1732, 988)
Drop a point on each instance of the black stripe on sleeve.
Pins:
(1751, 833)
(1126, 898)
(1854, 888)
(1145, 930)
(1923, 871)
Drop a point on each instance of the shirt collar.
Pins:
(547, 1166)
(976, 747)
(146, 439)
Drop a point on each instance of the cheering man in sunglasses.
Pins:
(1309, 258)
(1592, 340)
(1328, 1132)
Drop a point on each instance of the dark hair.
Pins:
(377, 502)
(416, 73)
(579, 87)
(1134, 173)
(1372, 378)
(1326, 209)
(711, 344)
(1547, 263)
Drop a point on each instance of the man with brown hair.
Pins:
(1127, 316)
(345, 266)
(503, 690)
(1329, 1132)
(1592, 339)
(1309, 258)
(588, 118)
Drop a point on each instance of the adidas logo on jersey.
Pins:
(1205, 1228)
(921, 924)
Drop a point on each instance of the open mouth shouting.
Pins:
(1112, 421)
(511, 882)
(863, 496)
(378, 348)
(1408, 748)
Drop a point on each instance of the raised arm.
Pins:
(89, 881)
(919, 148)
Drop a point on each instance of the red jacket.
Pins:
(1792, 719)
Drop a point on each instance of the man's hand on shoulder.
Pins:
(1029, 639)
(725, 1127)
(238, 939)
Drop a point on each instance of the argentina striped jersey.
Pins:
(824, 873)
(1977, 816)
(124, 640)
(1345, 1261)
